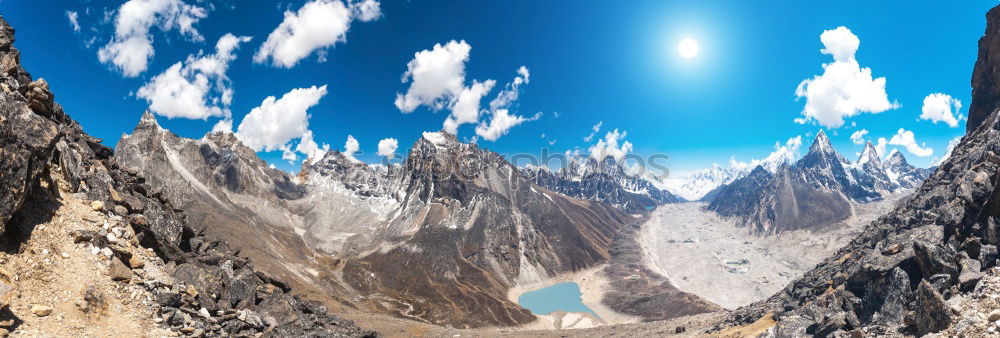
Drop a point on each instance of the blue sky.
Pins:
(589, 61)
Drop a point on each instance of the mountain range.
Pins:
(402, 239)
(817, 190)
(603, 181)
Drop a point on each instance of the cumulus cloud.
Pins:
(858, 137)
(783, 153)
(609, 146)
(906, 139)
(131, 48)
(465, 108)
(387, 147)
(276, 122)
(316, 26)
(436, 80)
(593, 131)
(939, 107)
(880, 146)
(500, 124)
(351, 146)
(197, 88)
(951, 146)
(74, 22)
(308, 146)
(366, 10)
(500, 119)
(436, 76)
(845, 89)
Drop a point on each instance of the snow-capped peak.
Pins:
(437, 138)
(869, 155)
(821, 144)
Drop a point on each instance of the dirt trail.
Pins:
(52, 276)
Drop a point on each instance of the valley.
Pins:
(716, 259)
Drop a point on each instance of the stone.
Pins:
(994, 316)
(41, 310)
(191, 291)
(187, 330)
(932, 313)
(118, 271)
(82, 235)
(97, 205)
(135, 262)
(120, 210)
(970, 274)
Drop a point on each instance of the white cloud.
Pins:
(276, 122)
(609, 146)
(437, 80)
(783, 153)
(309, 147)
(465, 108)
(947, 154)
(131, 47)
(366, 10)
(858, 137)
(500, 124)
(73, 20)
(906, 139)
(387, 147)
(593, 131)
(939, 107)
(351, 147)
(845, 89)
(436, 76)
(223, 126)
(198, 88)
(315, 27)
(880, 146)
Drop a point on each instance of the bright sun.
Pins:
(688, 48)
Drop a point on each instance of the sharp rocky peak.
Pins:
(869, 155)
(821, 144)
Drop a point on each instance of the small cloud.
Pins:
(845, 89)
(316, 26)
(609, 146)
(131, 48)
(906, 139)
(593, 131)
(858, 137)
(387, 147)
(73, 20)
(939, 107)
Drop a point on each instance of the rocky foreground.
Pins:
(154, 271)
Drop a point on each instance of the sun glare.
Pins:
(688, 48)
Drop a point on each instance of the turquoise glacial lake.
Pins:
(564, 296)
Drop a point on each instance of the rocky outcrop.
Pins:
(40, 142)
(986, 74)
(948, 228)
(603, 181)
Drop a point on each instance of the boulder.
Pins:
(932, 312)
(118, 271)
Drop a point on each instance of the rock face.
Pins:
(947, 229)
(815, 191)
(39, 142)
(439, 238)
(986, 74)
(602, 181)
